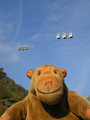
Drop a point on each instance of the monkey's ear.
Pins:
(64, 72)
(30, 73)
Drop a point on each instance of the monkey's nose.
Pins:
(49, 84)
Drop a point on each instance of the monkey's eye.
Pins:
(39, 73)
(55, 72)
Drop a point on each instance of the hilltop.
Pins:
(10, 92)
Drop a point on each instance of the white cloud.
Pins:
(10, 23)
(5, 25)
(8, 53)
(35, 36)
(9, 29)
(20, 20)
(13, 57)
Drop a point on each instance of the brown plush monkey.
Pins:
(49, 98)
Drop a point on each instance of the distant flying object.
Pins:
(58, 36)
(23, 48)
(27, 47)
(64, 35)
(19, 48)
(70, 35)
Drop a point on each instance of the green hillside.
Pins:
(10, 92)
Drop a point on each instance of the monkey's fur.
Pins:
(49, 98)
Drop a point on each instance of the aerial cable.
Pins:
(44, 32)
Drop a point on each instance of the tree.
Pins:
(10, 92)
(88, 97)
(2, 74)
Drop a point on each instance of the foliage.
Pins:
(2, 74)
(88, 97)
(2, 109)
(10, 92)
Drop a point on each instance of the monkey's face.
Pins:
(48, 82)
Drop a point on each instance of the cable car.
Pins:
(19, 48)
(58, 36)
(70, 35)
(27, 47)
(64, 36)
(22, 48)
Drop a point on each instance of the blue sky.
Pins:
(36, 23)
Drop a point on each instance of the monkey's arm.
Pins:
(15, 112)
(79, 105)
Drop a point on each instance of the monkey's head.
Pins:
(47, 82)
